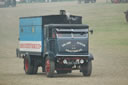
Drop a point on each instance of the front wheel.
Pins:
(86, 68)
(49, 67)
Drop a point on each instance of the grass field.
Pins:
(109, 43)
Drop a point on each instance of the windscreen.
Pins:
(72, 33)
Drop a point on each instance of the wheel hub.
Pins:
(47, 66)
(26, 65)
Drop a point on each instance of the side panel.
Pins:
(31, 34)
(31, 21)
(61, 19)
(32, 46)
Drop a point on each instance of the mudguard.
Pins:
(50, 55)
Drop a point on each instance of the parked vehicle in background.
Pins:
(7, 3)
(87, 1)
(119, 1)
(47, 1)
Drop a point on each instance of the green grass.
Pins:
(109, 24)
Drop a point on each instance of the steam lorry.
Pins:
(57, 43)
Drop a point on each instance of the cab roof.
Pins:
(68, 26)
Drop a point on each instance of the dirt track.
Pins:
(110, 66)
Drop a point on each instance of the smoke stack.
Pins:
(62, 12)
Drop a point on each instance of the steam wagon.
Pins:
(57, 43)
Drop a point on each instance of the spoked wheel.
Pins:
(86, 68)
(49, 67)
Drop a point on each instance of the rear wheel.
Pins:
(86, 68)
(49, 67)
(35, 69)
(28, 66)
